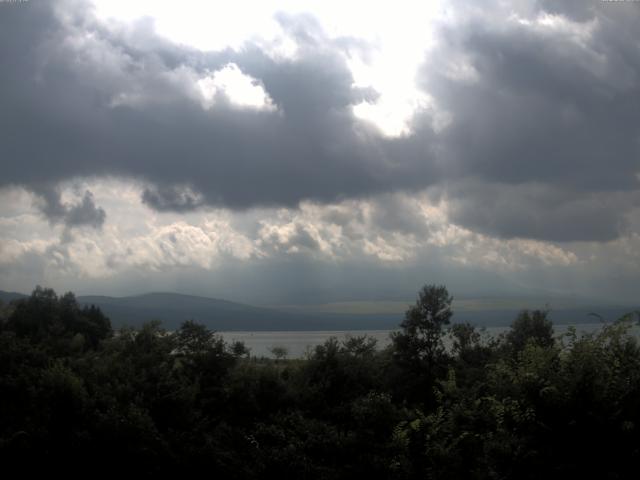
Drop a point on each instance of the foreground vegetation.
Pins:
(75, 397)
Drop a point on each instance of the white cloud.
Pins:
(416, 231)
(240, 89)
(396, 38)
(383, 45)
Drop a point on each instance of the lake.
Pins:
(298, 343)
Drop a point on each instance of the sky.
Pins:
(312, 152)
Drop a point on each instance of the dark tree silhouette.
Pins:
(185, 403)
(531, 326)
(418, 349)
(420, 341)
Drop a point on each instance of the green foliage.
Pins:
(194, 340)
(531, 327)
(423, 327)
(279, 352)
(183, 403)
(418, 349)
(360, 346)
(58, 322)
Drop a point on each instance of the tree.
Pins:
(36, 316)
(420, 341)
(58, 322)
(418, 349)
(360, 346)
(279, 352)
(195, 339)
(204, 355)
(471, 353)
(239, 349)
(533, 326)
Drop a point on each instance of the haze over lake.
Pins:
(299, 344)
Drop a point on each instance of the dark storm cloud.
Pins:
(545, 134)
(81, 104)
(85, 213)
(541, 212)
(172, 198)
(82, 213)
(395, 213)
(555, 113)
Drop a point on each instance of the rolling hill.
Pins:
(172, 309)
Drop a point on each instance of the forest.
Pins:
(78, 397)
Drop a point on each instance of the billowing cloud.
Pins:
(98, 105)
(84, 212)
(535, 96)
(351, 238)
(172, 198)
(544, 137)
(541, 211)
(502, 141)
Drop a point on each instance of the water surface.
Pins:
(298, 343)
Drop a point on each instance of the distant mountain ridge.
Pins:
(222, 315)
(7, 297)
(172, 309)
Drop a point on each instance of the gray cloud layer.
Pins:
(84, 212)
(543, 142)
